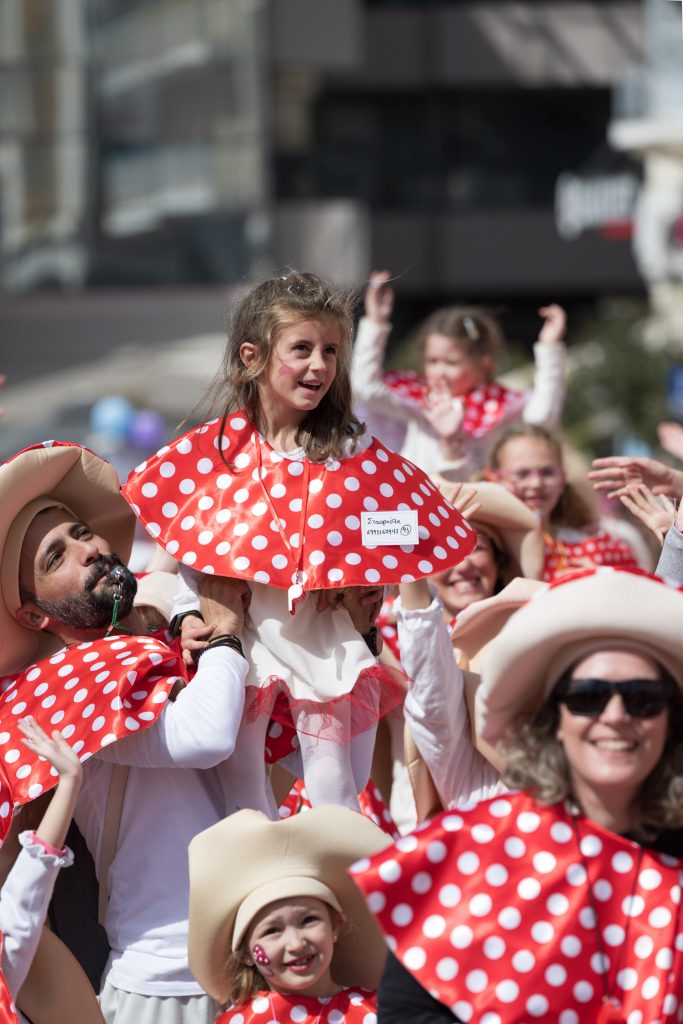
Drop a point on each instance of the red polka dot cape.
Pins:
(95, 693)
(245, 518)
(350, 1006)
(602, 549)
(484, 408)
(490, 909)
(8, 1013)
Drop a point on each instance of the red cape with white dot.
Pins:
(8, 1013)
(602, 549)
(490, 910)
(241, 515)
(95, 693)
(350, 1006)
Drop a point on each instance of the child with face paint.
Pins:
(276, 926)
(274, 491)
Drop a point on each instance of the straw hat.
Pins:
(592, 611)
(511, 525)
(245, 862)
(45, 475)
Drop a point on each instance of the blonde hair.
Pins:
(473, 328)
(261, 316)
(571, 510)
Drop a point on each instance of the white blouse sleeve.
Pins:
(546, 401)
(435, 708)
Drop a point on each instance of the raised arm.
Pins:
(615, 473)
(545, 403)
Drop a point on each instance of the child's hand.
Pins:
(56, 750)
(445, 415)
(194, 635)
(615, 473)
(461, 496)
(379, 297)
(223, 602)
(363, 605)
(656, 513)
(553, 330)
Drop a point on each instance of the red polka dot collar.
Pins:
(350, 1006)
(95, 693)
(244, 518)
(489, 909)
(484, 408)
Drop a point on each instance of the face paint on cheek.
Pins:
(286, 370)
(260, 956)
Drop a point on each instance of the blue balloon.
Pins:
(111, 416)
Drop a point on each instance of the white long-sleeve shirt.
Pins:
(174, 790)
(24, 900)
(435, 709)
(384, 408)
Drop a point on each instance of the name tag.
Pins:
(387, 528)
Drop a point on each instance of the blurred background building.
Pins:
(157, 154)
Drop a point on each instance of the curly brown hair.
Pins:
(536, 761)
(259, 318)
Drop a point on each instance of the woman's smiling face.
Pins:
(296, 936)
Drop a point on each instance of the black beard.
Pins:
(93, 609)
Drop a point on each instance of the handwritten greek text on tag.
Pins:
(387, 528)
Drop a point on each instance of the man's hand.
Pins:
(379, 297)
(553, 330)
(362, 603)
(616, 473)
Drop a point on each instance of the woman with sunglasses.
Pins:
(559, 900)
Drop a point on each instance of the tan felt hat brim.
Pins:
(52, 474)
(606, 610)
(248, 860)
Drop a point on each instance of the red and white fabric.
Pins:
(599, 549)
(371, 804)
(495, 910)
(243, 514)
(350, 1006)
(8, 1011)
(95, 692)
(484, 408)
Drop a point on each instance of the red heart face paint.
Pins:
(260, 956)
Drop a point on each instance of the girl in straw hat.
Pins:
(559, 901)
(277, 927)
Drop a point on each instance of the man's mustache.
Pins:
(102, 565)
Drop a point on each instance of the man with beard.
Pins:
(67, 618)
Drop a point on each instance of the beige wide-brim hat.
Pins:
(157, 590)
(511, 525)
(606, 609)
(246, 861)
(48, 474)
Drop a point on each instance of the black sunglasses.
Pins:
(643, 698)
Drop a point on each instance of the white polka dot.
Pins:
(436, 851)
(622, 862)
(482, 833)
(507, 991)
(650, 987)
(316, 557)
(241, 563)
(433, 926)
(447, 968)
(351, 484)
(149, 490)
(376, 902)
(260, 1005)
(664, 959)
(509, 918)
(528, 821)
(529, 888)
(649, 879)
(402, 914)
(468, 863)
(659, 917)
(496, 874)
(421, 883)
(633, 906)
(169, 509)
(390, 871)
(576, 874)
(295, 468)
(335, 575)
(390, 561)
(557, 904)
(583, 991)
(523, 961)
(571, 946)
(627, 979)
(352, 523)
(279, 561)
(476, 981)
(205, 502)
(35, 790)
(537, 1005)
(415, 958)
(461, 937)
(561, 832)
(544, 862)
(643, 947)
(370, 504)
(278, 491)
(297, 1014)
(514, 847)
(542, 931)
(334, 538)
(591, 846)
(167, 469)
(494, 947)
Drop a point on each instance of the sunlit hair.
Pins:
(260, 317)
(572, 509)
(473, 328)
(536, 761)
